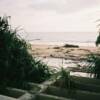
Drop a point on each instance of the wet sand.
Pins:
(59, 56)
(55, 51)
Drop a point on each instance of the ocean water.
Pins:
(60, 38)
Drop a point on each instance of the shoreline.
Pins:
(56, 56)
(60, 43)
(56, 51)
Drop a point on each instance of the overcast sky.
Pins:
(52, 15)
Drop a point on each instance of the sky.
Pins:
(52, 15)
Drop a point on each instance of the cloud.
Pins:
(59, 6)
(63, 5)
(14, 6)
(51, 15)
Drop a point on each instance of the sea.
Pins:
(60, 38)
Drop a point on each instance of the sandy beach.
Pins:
(55, 51)
(59, 56)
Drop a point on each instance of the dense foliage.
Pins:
(65, 76)
(17, 66)
(94, 61)
(98, 40)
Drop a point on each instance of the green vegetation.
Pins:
(17, 66)
(63, 79)
(94, 67)
(65, 76)
(98, 40)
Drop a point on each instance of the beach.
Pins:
(57, 56)
(60, 52)
(44, 50)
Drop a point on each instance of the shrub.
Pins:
(95, 65)
(40, 72)
(98, 40)
(17, 66)
(63, 79)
